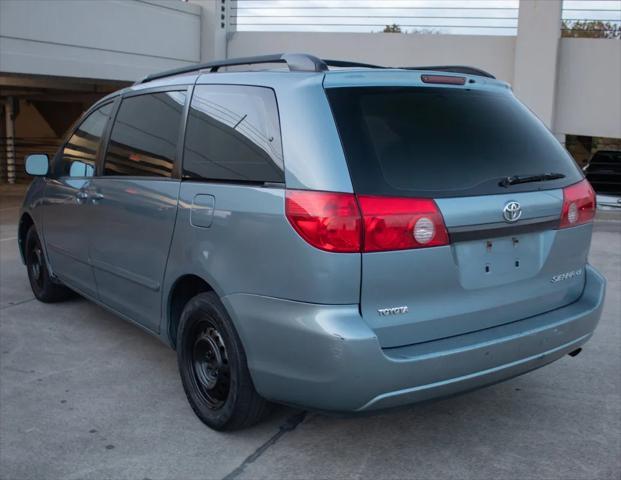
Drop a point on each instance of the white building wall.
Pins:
(214, 29)
(536, 53)
(588, 93)
(574, 85)
(101, 39)
(577, 91)
(494, 54)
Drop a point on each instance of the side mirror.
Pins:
(37, 164)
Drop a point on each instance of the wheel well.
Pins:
(184, 289)
(24, 225)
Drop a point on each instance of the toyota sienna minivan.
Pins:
(323, 234)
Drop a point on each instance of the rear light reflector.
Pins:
(578, 204)
(401, 223)
(328, 221)
(443, 79)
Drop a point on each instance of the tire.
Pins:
(213, 367)
(45, 289)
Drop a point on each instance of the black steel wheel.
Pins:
(43, 286)
(210, 364)
(35, 263)
(213, 367)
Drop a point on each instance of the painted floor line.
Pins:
(15, 304)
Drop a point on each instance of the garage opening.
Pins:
(36, 112)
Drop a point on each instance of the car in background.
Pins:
(604, 173)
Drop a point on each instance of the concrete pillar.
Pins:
(536, 56)
(214, 28)
(10, 139)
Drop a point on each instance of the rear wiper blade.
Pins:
(542, 177)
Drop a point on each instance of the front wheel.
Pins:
(213, 367)
(45, 289)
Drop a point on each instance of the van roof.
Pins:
(299, 66)
(303, 62)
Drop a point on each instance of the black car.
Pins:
(604, 172)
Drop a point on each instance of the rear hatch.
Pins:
(480, 156)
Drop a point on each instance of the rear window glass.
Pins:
(442, 142)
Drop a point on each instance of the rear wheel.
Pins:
(213, 367)
(43, 286)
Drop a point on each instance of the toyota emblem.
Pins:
(512, 211)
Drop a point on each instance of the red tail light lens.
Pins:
(401, 223)
(336, 222)
(445, 79)
(328, 221)
(578, 204)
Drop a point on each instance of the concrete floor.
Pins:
(85, 395)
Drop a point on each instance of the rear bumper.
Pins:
(325, 357)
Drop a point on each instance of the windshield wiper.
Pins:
(542, 177)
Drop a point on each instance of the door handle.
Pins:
(81, 197)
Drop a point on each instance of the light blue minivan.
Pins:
(325, 234)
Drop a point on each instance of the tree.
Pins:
(394, 28)
(591, 29)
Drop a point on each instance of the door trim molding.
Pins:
(66, 253)
(127, 275)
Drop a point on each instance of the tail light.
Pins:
(338, 222)
(328, 221)
(578, 204)
(401, 223)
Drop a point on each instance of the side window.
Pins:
(143, 142)
(233, 133)
(80, 152)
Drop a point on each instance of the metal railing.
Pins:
(591, 19)
(25, 146)
(474, 17)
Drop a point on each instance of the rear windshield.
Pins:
(442, 142)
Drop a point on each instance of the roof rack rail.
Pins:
(455, 69)
(297, 62)
(347, 64)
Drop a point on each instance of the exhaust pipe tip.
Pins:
(575, 352)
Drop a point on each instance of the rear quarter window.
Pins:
(233, 134)
(442, 142)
